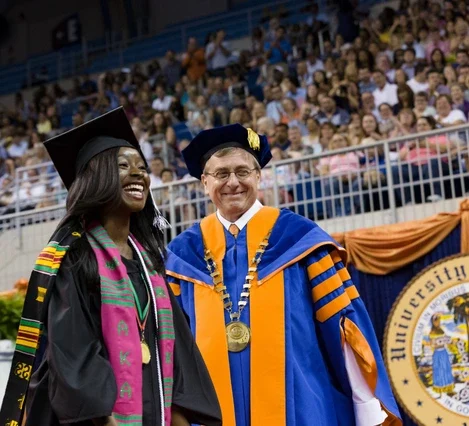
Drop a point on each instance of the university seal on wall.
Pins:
(426, 344)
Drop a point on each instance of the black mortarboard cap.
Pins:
(207, 142)
(71, 151)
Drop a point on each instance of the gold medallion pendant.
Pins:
(146, 356)
(238, 336)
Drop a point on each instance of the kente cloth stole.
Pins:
(120, 331)
(41, 282)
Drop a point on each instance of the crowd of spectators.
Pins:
(363, 80)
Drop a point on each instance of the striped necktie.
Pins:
(234, 230)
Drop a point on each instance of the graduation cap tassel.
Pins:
(159, 221)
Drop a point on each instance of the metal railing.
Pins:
(115, 51)
(387, 185)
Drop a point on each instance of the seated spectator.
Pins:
(419, 82)
(435, 85)
(458, 101)
(162, 101)
(217, 54)
(266, 126)
(167, 175)
(326, 132)
(160, 133)
(370, 127)
(297, 149)
(450, 75)
(193, 61)
(172, 69)
(278, 50)
(410, 63)
(340, 172)
(446, 116)
(19, 145)
(423, 160)
(220, 101)
(291, 113)
(44, 125)
(281, 136)
(368, 105)
(369, 187)
(462, 58)
(274, 107)
(365, 83)
(405, 123)
(32, 186)
(311, 139)
(258, 112)
(422, 108)
(202, 110)
(387, 120)
(156, 168)
(436, 44)
(302, 74)
(313, 64)
(410, 42)
(405, 98)
(298, 94)
(142, 137)
(328, 111)
(384, 92)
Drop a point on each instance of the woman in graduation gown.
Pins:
(113, 346)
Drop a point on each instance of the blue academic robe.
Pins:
(302, 307)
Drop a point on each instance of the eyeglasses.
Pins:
(224, 175)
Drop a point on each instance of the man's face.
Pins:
(281, 134)
(368, 101)
(462, 58)
(279, 33)
(364, 75)
(463, 71)
(276, 93)
(327, 104)
(160, 92)
(379, 79)
(443, 107)
(301, 68)
(408, 39)
(434, 79)
(294, 135)
(233, 197)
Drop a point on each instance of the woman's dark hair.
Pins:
(430, 120)
(97, 188)
(405, 89)
(153, 130)
(443, 59)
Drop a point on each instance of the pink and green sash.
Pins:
(121, 333)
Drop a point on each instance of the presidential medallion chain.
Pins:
(238, 333)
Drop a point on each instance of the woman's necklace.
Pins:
(142, 316)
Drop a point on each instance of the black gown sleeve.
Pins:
(193, 394)
(82, 385)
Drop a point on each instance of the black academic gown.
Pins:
(74, 381)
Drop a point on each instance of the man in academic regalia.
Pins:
(280, 325)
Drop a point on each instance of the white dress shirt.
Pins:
(387, 95)
(368, 411)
